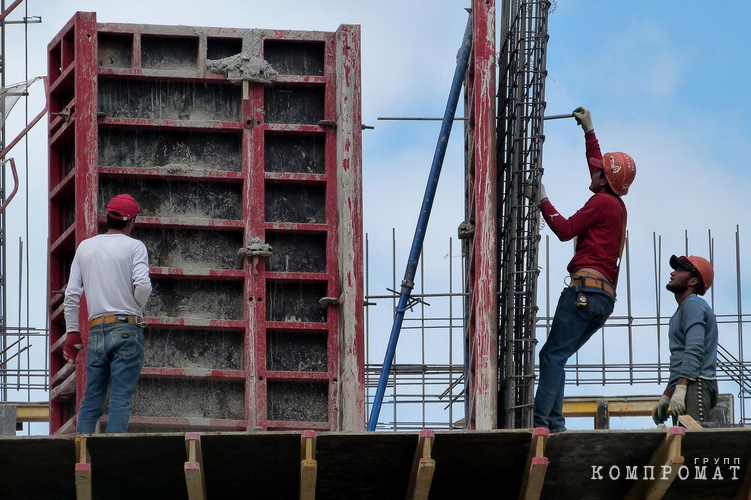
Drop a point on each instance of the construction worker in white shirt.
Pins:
(112, 271)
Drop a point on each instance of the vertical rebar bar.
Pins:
(367, 322)
(47, 324)
(393, 302)
(451, 333)
(657, 304)
(422, 329)
(20, 306)
(26, 166)
(740, 311)
(710, 241)
(547, 286)
(630, 316)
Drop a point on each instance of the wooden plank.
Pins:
(194, 476)
(536, 466)
(688, 422)
(31, 412)
(83, 470)
(668, 454)
(308, 466)
(423, 467)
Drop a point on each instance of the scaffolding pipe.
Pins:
(422, 221)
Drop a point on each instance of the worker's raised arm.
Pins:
(593, 153)
(575, 225)
(141, 280)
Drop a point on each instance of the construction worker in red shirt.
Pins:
(600, 231)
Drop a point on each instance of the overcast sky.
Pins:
(666, 82)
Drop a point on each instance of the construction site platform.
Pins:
(453, 465)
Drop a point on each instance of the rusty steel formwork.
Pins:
(479, 229)
(232, 140)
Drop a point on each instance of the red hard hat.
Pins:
(620, 171)
(698, 265)
(123, 207)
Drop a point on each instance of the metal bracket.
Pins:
(327, 123)
(256, 250)
(329, 301)
(65, 113)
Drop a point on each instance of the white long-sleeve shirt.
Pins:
(112, 270)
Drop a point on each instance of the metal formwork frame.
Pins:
(73, 90)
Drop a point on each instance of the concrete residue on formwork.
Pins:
(189, 399)
(193, 349)
(243, 67)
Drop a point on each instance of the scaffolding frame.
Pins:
(425, 393)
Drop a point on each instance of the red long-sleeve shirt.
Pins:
(598, 225)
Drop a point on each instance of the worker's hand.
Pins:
(660, 412)
(584, 118)
(678, 401)
(528, 188)
(73, 344)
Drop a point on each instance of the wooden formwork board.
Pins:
(467, 464)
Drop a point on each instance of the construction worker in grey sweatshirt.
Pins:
(692, 387)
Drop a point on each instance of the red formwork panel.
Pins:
(219, 163)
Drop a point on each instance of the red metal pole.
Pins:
(7, 11)
(15, 186)
(23, 133)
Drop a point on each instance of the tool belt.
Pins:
(116, 317)
(588, 282)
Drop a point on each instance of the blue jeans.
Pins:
(115, 352)
(572, 327)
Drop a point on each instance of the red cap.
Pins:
(123, 207)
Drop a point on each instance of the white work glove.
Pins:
(584, 118)
(678, 401)
(541, 194)
(660, 412)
